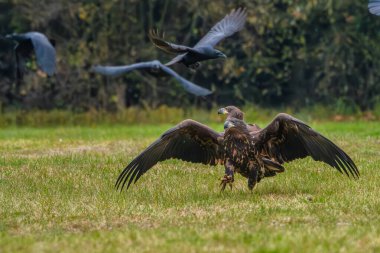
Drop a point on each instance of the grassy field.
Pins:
(57, 195)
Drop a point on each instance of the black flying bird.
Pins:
(42, 47)
(254, 156)
(374, 7)
(154, 66)
(204, 49)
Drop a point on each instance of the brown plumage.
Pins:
(241, 154)
(253, 155)
(189, 141)
(234, 112)
(287, 138)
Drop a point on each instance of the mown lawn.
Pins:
(57, 195)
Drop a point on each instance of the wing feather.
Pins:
(374, 7)
(186, 84)
(43, 49)
(119, 70)
(176, 59)
(189, 141)
(287, 138)
(165, 46)
(230, 24)
(153, 66)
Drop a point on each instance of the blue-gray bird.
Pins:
(42, 47)
(204, 49)
(154, 66)
(374, 7)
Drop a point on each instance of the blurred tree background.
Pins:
(291, 53)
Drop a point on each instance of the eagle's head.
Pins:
(235, 123)
(232, 112)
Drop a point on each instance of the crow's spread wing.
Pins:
(374, 7)
(43, 49)
(230, 24)
(168, 47)
(153, 65)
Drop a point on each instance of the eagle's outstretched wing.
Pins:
(287, 138)
(189, 141)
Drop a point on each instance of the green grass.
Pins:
(57, 195)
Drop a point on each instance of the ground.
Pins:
(57, 194)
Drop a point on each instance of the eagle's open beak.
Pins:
(222, 111)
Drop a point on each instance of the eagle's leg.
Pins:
(253, 178)
(228, 177)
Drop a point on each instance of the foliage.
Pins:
(291, 53)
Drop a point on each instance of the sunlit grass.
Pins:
(57, 195)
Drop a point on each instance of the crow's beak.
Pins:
(228, 124)
(222, 111)
(223, 56)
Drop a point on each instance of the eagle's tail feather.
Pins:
(272, 166)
